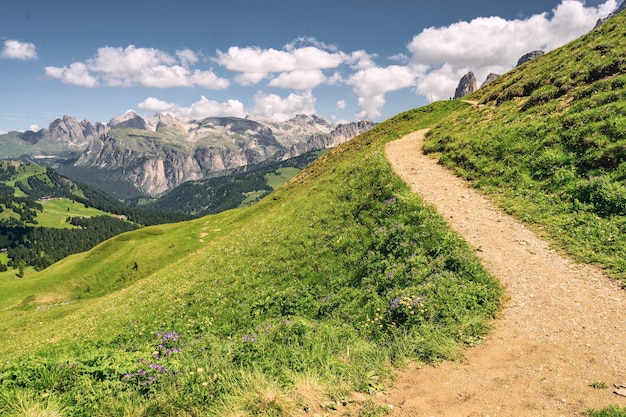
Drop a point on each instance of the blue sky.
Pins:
(344, 60)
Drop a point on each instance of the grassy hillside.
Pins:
(269, 310)
(548, 142)
(290, 305)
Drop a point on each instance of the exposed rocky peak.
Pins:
(68, 131)
(529, 57)
(467, 85)
(161, 120)
(491, 77)
(166, 151)
(345, 132)
(618, 10)
(129, 119)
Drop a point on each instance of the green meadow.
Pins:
(322, 288)
(56, 211)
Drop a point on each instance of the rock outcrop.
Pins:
(467, 85)
(618, 10)
(491, 77)
(130, 119)
(66, 134)
(529, 57)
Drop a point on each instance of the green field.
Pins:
(280, 176)
(57, 210)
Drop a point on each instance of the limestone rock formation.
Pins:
(467, 85)
(129, 119)
(172, 151)
(529, 57)
(490, 78)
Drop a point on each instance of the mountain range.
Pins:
(130, 156)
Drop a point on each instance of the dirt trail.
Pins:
(562, 328)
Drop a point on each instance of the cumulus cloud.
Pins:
(440, 56)
(299, 79)
(132, 66)
(199, 110)
(292, 63)
(76, 74)
(18, 50)
(372, 84)
(341, 104)
(277, 108)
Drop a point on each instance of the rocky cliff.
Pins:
(162, 152)
(529, 57)
(467, 85)
(170, 151)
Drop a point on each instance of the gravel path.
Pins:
(563, 326)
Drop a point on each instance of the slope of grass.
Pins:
(548, 142)
(319, 288)
(56, 211)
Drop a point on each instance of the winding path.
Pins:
(563, 326)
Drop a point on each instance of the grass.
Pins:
(547, 143)
(56, 211)
(260, 299)
(612, 411)
(280, 176)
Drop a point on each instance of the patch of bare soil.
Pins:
(562, 329)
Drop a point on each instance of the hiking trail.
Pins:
(562, 327)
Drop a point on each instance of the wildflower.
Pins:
(204, 384)
(200, 370)
(390, 200)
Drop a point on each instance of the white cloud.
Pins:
(153, 104)
(132, 66)
(274, 107)
(18, 50)
(297, 66)
(341, 104)
(361, 60)
(199, 110)
(251, 78)
(34, 128)
(299, 79)
(76, 74)
(440, 56)
(372, 84)
(187, 57)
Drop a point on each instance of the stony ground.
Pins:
(562, 330)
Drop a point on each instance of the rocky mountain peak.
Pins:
(162, 120)
(71, 130)
(128, 119)
(491, 77)
(467, 85)
(529, 57)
